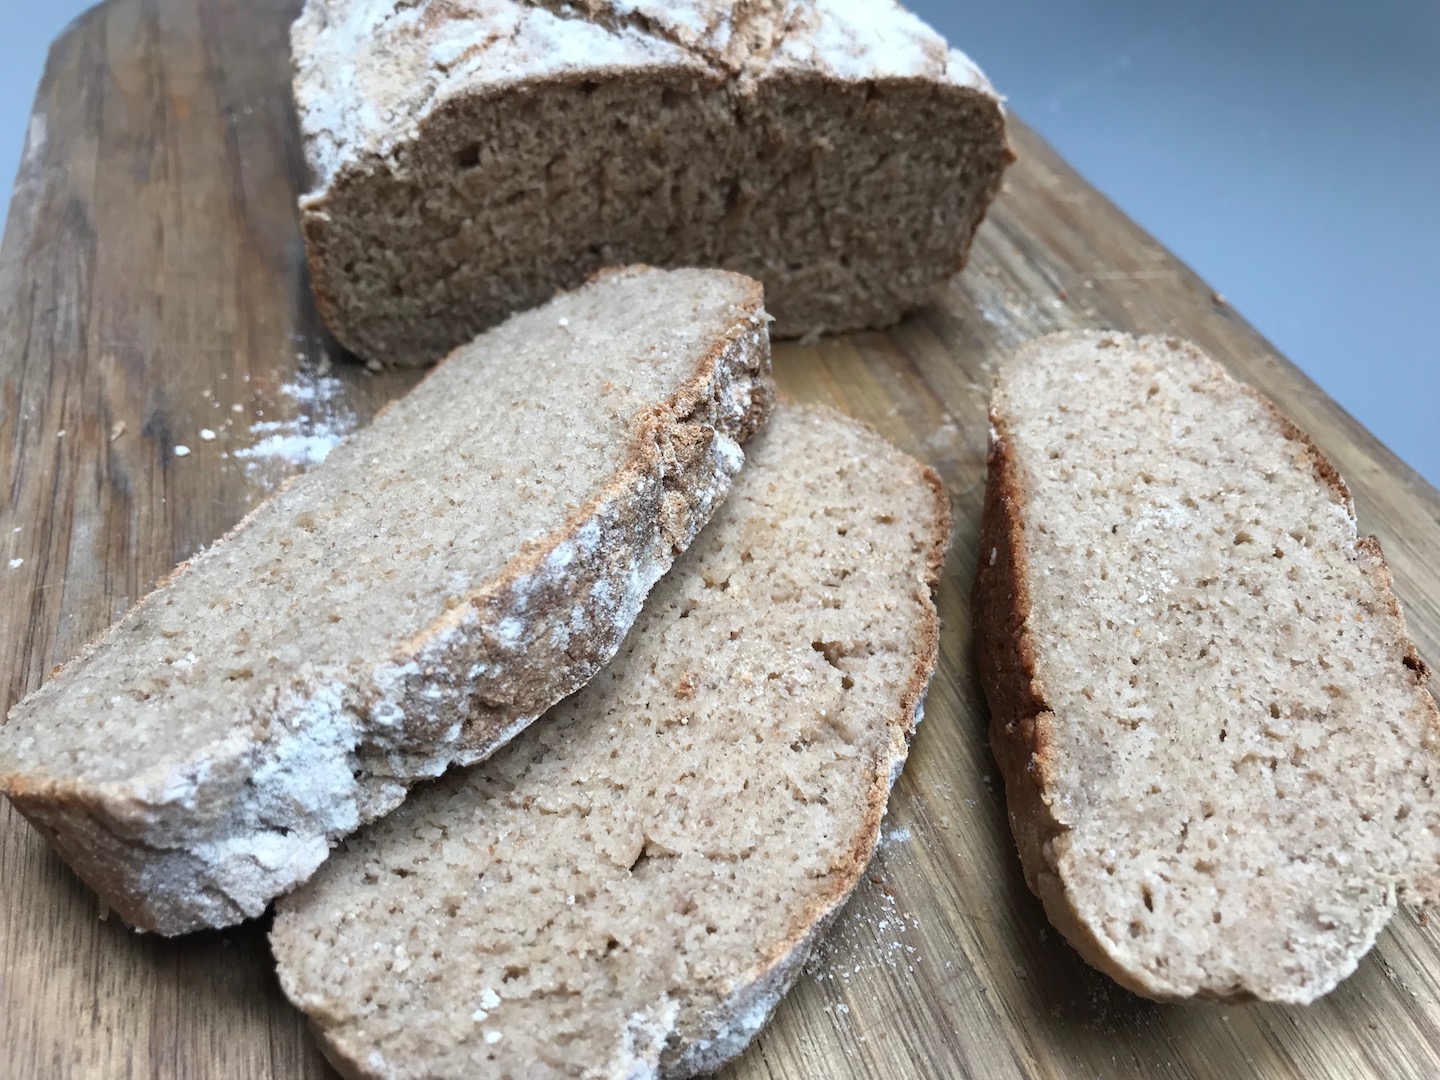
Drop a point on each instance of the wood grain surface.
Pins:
(152, 285)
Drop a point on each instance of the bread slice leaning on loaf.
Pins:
(469, 157)
(438, 582)
(630, 887)
(1219, 752)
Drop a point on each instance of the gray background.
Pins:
(1288, 150)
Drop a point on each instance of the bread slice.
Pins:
(441, 580)
(1219, 751)
(471, 156)
(631, 886)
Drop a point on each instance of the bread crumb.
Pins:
(493, 1037)
(182, 451)
(15, 564)
(1214, 561)
(117, 429)
(207, 435)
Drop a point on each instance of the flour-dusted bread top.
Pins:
(1219, 750)
(440, 580)
(471, 157)
(631, 886)
(369, 70)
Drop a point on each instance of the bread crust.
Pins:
(453, 694)
(1021, 719)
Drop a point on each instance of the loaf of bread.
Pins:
(471, 156)
(442, 579)
(629, 888)
(1219, 752)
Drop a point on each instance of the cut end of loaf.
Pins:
(847, 167)
(1220, 754)
(665, 847)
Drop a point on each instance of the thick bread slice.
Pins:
(441, 580)
(1219, 751)
(471, 156)
(630, 887)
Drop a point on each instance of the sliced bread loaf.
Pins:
(441, 580)
(471, 156)
(1220, 755)
(630, 887)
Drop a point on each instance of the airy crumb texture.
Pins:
(631, 886)
(471, 156)
(432, 587)
(1220, 755)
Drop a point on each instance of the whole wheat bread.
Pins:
(471, 156)
(1219, 751)
(630, 887)
(441, 580)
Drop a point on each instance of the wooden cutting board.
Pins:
(153, 293)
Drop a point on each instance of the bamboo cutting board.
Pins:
(152, 285)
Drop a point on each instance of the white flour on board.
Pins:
(291, 446)
(871, 932)
(897, 834)
(304, 440)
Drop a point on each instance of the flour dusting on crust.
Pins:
(370, 71)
